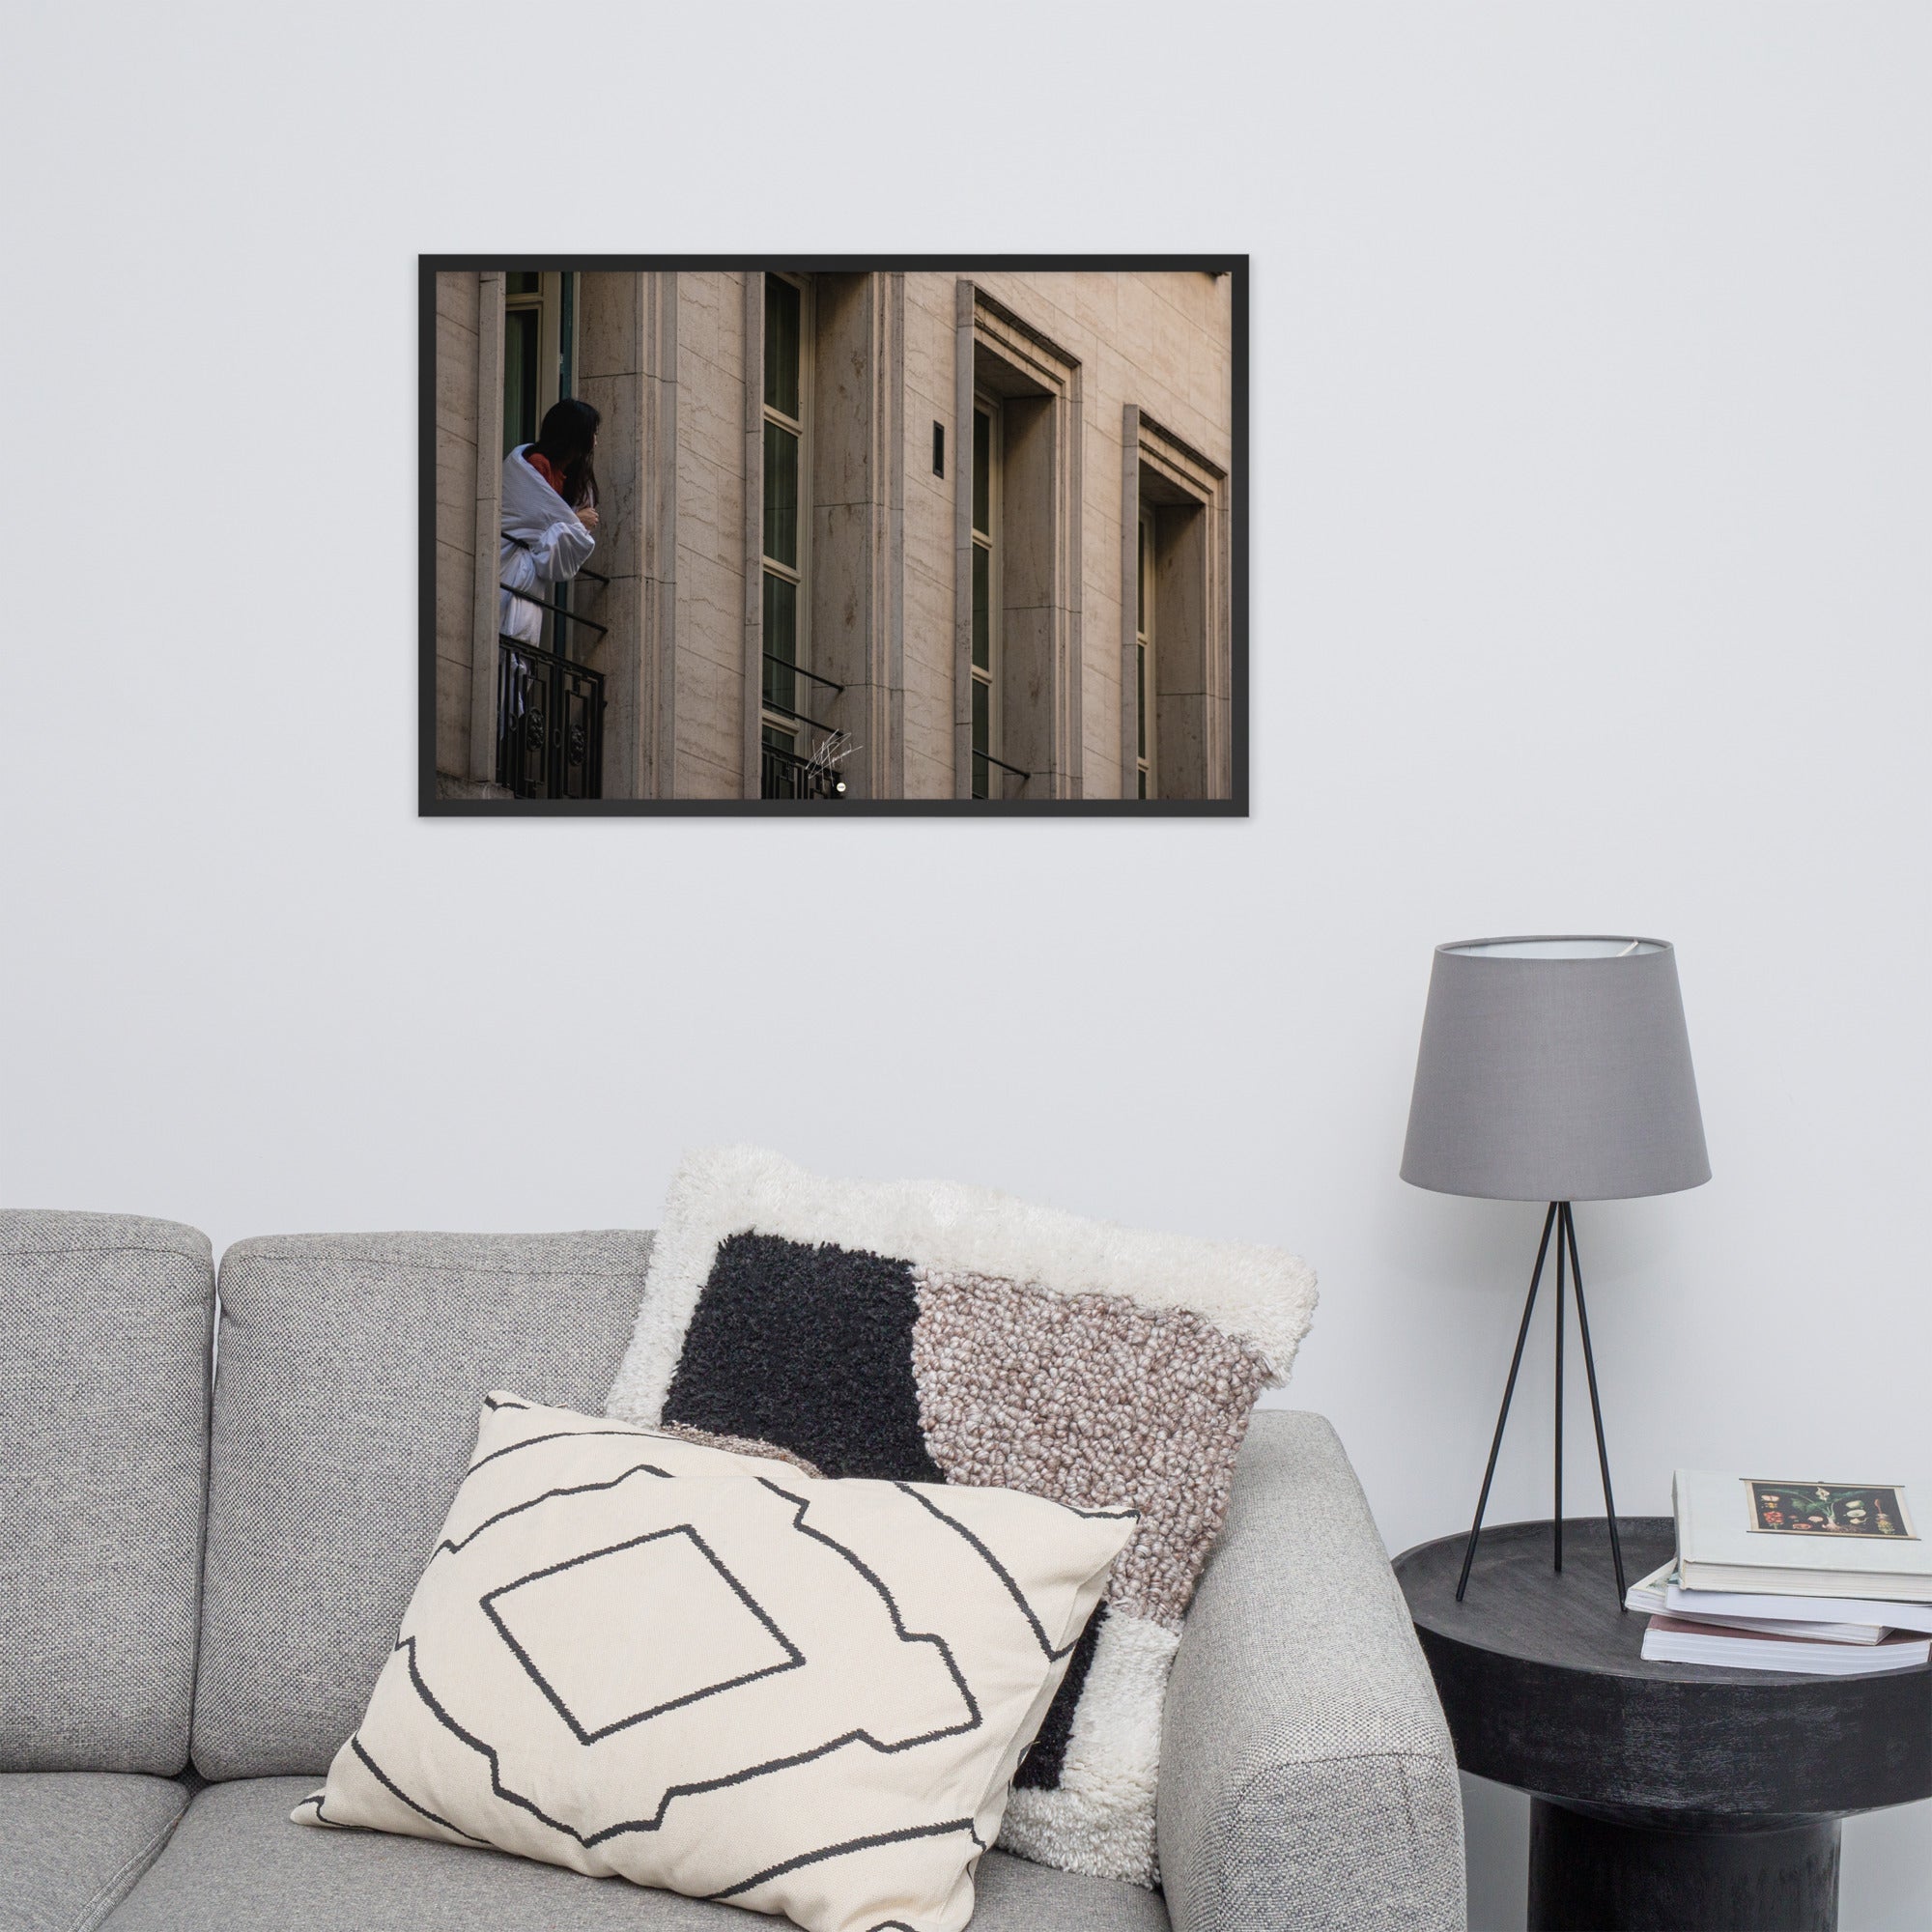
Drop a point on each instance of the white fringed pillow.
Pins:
(930, 1332)
(636, 1654)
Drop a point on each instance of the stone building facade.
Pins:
(881, 534)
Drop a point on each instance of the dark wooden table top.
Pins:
(1544, 1687)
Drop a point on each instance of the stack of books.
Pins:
(1826, 1578)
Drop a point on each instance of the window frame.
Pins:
(1193, 670)
(774, 720)
(1147, 690)
(1037, 385)
(992, 677)
(554, 297)
(554, 303)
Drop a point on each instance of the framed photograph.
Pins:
(830, 536)
(1830, 1509)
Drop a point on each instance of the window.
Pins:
(1144, 679)
(523, 326)
(986, 681)
(539, 350)
(539, 365)
(786, 536)
(1016, 605)
(1175, 658)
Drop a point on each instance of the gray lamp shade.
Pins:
(1556, 1070)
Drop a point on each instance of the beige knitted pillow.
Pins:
(636, 1654)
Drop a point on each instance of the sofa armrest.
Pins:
(1307, 1779)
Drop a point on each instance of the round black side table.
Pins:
(1671, 1797)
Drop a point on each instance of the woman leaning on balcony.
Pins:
(550, 516)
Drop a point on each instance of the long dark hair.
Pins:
(569, 429)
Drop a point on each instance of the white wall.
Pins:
(1592, 413)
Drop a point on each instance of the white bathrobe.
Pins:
(543, 543)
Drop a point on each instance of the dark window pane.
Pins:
(983, 472)
(1140, 586)
(983, 710)
(520, 377)
(780, 618)
(524, 282)
(982, 606)
(1140, 688)
(781, 642)
(1142, 785)
(780, 495)
(781, 302)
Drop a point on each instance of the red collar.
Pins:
(545, 469)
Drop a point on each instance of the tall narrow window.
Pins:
(987, 692)
(539, 367)
(787, 378)
(539, 350)
(1144, 679)
(550, 704)
(522, 331)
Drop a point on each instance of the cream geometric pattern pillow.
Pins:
(637, 1654)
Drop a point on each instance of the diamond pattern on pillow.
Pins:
(643, 1656)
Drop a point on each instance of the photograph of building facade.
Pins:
(873, 534)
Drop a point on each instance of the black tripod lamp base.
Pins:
(1562, 1224)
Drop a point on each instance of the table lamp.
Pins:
(1554, 1070)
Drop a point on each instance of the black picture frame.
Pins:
(430, 805)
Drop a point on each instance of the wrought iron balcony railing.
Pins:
(784, 774)
(550, 709)
(550, 723)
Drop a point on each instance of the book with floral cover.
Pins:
(1805, 1537)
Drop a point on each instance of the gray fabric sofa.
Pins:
(201, 1574)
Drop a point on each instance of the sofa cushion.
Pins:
(352, 1368)
(636, 1653)
(237, 1864)
(104, 1409)
(929, 1332)
(71, 1843)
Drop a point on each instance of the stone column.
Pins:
(627, 350)
(857, 523)
(751, 776)
(486, 422)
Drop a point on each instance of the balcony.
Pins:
(549, 711)
(783, 774)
